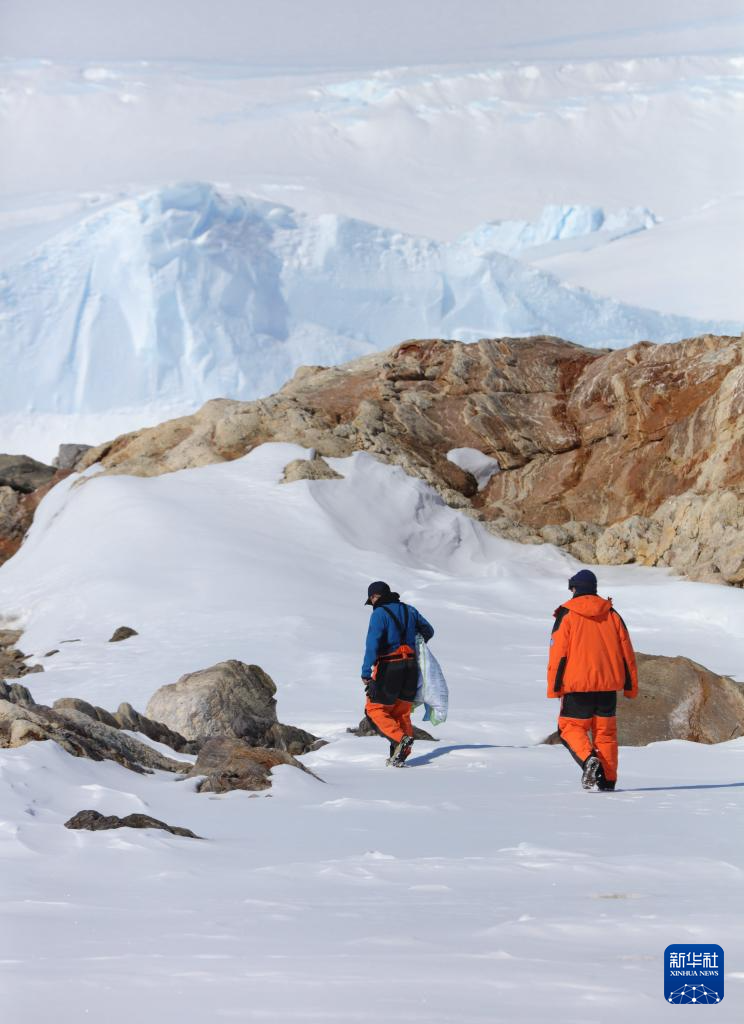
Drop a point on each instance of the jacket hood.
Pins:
(590, 606)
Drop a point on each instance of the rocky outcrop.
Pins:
(12, 660)
(229, 699)
(678, 700)
(126, 717)
(94, 821)
(23, 483)
(618, 456)
(227, 763)
(79, 733)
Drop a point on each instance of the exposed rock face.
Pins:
(76, 731)
(94, 821)
(630, 455)
(23, 483)
(122, 633)
(229, 699)
(229, 763)
(678, 700)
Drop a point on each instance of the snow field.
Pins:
(478, 884)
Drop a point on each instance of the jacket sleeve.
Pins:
(558, 657)
(423, 627)
(630, 689)
(375, 633)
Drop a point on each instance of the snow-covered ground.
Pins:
(480, 884)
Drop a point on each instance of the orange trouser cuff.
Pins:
(392, 720)
(575, 733)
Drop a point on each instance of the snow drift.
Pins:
(186, 294)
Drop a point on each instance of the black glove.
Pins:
(367, 683)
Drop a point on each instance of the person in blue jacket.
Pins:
(389, 670)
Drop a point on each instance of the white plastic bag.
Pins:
(432, 686)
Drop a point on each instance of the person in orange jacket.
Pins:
(591, 659)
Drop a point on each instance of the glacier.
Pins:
(187, 293)
(559, 223)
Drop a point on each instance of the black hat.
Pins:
(584, 582)
(378, 587)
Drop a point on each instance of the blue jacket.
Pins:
(384, 634)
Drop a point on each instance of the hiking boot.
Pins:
(591, 772)
(398, 756)
(605, 785)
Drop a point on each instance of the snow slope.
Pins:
(698, 263)
(186, 294)
(478, 885)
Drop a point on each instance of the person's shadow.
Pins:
(671, 789)
(432, 755)
(442, 751)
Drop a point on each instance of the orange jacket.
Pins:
(590, 649)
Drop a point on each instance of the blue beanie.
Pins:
(584, 582)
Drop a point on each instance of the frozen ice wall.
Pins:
(185, 294)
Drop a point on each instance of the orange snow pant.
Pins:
(592, 712)
(393, 721)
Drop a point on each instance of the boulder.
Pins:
(228, 699)
(24, 474)
(122, 633)
(228, 764)
(69, 455)
(94, 821)
(678, 699)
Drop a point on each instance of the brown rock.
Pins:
(309, 469)
(94, 821)
(680, 700)
(122, 633)
(228, 763)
